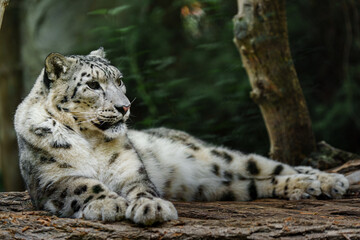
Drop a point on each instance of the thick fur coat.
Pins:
(79, 159)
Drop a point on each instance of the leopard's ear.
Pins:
(56, 65)
(99, 52)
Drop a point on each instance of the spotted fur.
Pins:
(79, 159)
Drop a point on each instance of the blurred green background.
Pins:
(182, 68)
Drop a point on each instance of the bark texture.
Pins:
(10, 94)
(261, 219)
(261, 37)
(327, 157)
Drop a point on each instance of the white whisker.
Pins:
(132, 101)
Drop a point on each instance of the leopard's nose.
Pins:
(122, 109)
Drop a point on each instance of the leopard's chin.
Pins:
(105, 125)
(115, 130)
(111, 129)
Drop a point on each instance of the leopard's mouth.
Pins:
(105, 125)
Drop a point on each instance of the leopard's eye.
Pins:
(93, 85)
(119, 82)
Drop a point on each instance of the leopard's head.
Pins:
(89, 90)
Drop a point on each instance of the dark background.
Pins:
(180, 63)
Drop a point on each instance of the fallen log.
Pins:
(260, 219)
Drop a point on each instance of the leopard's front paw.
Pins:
(303, 186)
(149, 211)
(297, 186)
(333, 185)
(107, 209)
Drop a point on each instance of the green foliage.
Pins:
(182, 67)
(184, 71)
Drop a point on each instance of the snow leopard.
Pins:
(79, 159)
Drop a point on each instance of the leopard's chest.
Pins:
(104, 152)
(113, 158)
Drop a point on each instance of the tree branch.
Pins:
(3, 5)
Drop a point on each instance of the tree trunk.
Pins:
(10, 92)
(261, 38)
